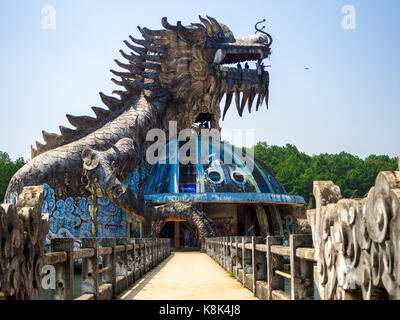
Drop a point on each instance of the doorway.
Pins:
(183, 234)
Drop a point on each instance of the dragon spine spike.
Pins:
(39, 146)
(151, 57)
(81, 122)
(146, 86)
(50, 138)
(130, 86)
(145, 74)
(125, 66)
(128, 75)
(67, 132)
(111, 102)
(33, 152)
(153, 66)
(117, 82)
(101, 113)
(123, 94)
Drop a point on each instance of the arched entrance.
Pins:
(183, 233)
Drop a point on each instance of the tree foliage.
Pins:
(7, 170)
(297, 170)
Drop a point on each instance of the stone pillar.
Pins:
(302, 282)
(90, 268)
(258, 260)
(176, 234)
(275, 282)
(65, 270)
(110, 261)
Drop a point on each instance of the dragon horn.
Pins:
(168, 26)
(181, 28)
(216, 26)
(145, 35)
(132, 57)
(135, 48)
(207, 24)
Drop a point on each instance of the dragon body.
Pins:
(173, 74)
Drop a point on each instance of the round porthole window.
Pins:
(238, 177)
(214, 176)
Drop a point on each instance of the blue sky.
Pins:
(346, 101)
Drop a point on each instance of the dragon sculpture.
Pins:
(175, 74)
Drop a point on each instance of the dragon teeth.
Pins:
(246, 95)
(237, 100)
(228, 101)
(266, 96)
(251, 98)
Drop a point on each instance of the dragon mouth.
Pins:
(244, 83)
(237, 54)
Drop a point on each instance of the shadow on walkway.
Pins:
(187, 276)
(131, 292)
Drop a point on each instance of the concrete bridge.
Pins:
(146, 269)
(187, 276)
(352, 253)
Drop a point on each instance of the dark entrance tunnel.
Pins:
(183, 234)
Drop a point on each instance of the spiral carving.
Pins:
(199, 70)
(23, 230)
(357, 241)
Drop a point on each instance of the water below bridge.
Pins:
(187, 276)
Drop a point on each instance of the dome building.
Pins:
(238, 194)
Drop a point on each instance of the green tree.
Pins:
(7, 170)
(297, 170)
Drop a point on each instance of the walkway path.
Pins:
(187, 276)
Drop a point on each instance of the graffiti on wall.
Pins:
(225, 225)
(134, 179)
(71, 217)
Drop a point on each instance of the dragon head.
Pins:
(188, 63)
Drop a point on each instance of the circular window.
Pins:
(238, 177)
(214, 176)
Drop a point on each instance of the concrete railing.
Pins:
(124, 261)
(259, 264)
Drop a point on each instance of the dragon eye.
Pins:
(238, 177)
(214, 176)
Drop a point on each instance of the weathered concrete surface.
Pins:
(187, 276)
